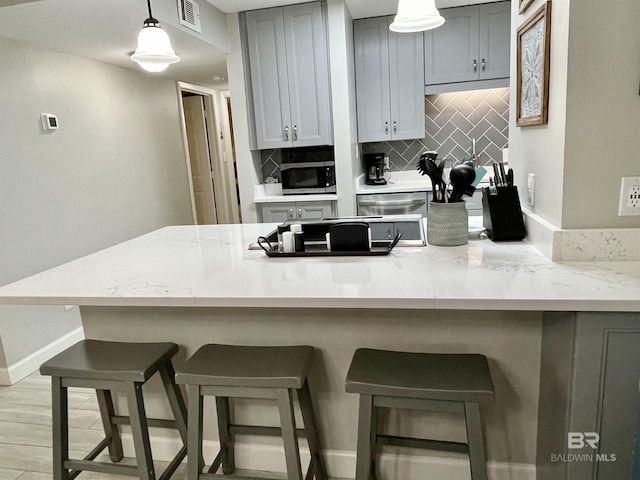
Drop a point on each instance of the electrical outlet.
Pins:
(630, 196)
(531, 189)
(386, 163)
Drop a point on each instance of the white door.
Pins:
(200, 160)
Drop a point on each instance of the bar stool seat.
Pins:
(455, 383)
(106, 367)
(238, 371)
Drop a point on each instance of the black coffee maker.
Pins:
(374, 169)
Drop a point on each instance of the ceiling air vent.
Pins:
(189, 15)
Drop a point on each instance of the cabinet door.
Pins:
(308, 72)
(451, 51)
(371, 42)
(406, 84)
(494, 42)
(267, 57)
(278, 212)
(314, 210)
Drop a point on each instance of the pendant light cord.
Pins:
(149, 6)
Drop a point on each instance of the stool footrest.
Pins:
(100, 467)
(152, 422)
(410, 442)
(260, 430)
(213, 476)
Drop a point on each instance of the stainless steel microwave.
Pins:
(308, 177)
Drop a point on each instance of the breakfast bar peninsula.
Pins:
(562, 339)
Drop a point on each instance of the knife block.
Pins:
(501, 213)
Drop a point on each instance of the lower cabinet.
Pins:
(588, 425)
(288, 211)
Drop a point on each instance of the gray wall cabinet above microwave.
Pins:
(389, 81)
(289, 63)
(472, 45)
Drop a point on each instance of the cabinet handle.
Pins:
(395, 126)
(475, 66)
(295, 132)
(483, 64)
(300, 213)
(386, 127)
(286, 133)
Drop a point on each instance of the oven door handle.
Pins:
(392, 203)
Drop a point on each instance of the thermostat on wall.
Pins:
(49, 122)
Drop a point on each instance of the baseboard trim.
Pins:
(342, 464)
(25, 367)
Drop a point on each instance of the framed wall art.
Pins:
(524, 4)
(534, 37)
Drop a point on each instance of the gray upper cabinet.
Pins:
(473, 44)
(288, 58)
(389, 82)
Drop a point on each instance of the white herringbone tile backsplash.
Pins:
(451, 121)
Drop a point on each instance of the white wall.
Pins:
(603, 111)
(115, 169)
(540, 149)
(340, 24)
(590, 141)
(247, 162)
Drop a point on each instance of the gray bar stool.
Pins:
(454, 383)
(250, 372)
(106, 367)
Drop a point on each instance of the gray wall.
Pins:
(115, 169)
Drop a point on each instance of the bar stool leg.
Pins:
(111, 430)
(176, 401)
(365, 444)
(140, 432)
(195, 463)
(308, 416)
(474, 439)
(226, 445)
(60, 424)
(289, 434)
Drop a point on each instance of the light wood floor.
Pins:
(25, 431)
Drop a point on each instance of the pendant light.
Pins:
(416, 16)
(154, 52)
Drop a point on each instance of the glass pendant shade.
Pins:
(154, 52)
(416, 16)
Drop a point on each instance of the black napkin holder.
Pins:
(501, 213)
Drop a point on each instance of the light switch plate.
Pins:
(629, 196)
(531, 189)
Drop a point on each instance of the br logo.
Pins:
(582, 439)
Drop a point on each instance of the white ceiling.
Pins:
(358, 8)
(106, 30)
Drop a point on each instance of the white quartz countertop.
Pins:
(260, 196)
(211, 266)
(398, 182)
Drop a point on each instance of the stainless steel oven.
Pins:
(308, 177)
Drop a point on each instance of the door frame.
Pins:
(219, 178)
(225, 140)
